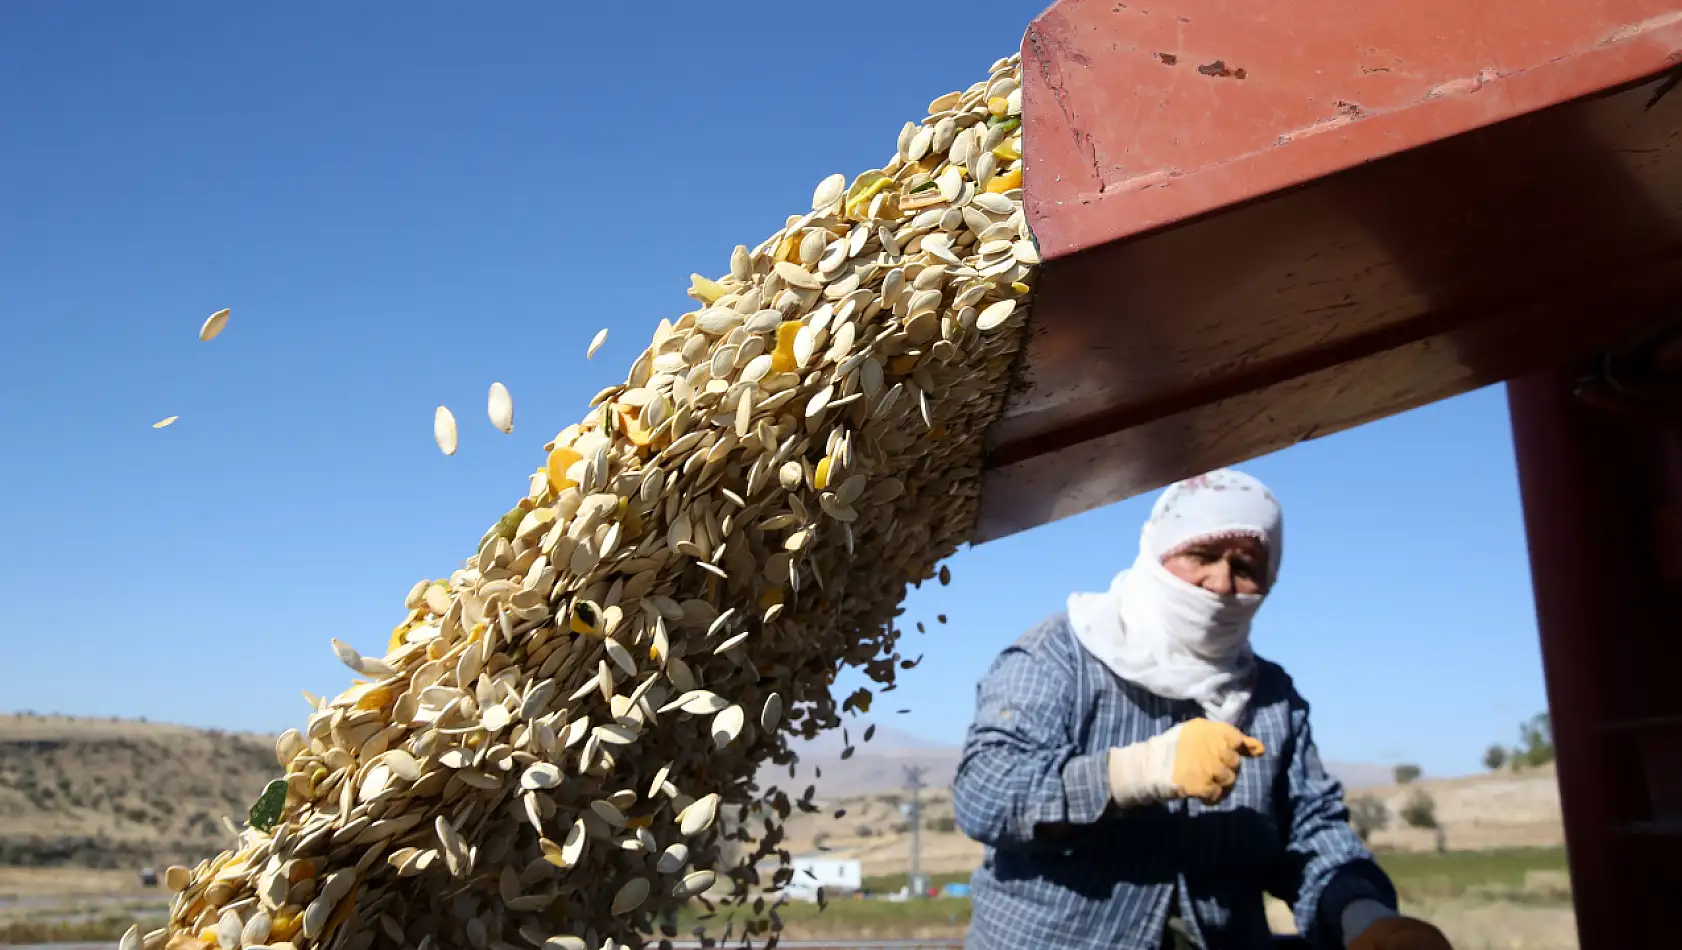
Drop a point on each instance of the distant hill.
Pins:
(1361, 775)
(118, 794)
(875, 766)
(879, 765)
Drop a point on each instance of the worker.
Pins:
(1140, 778)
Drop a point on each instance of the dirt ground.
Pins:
(19, 884)
(1502, 810)
(1473, 924)
(74, 895)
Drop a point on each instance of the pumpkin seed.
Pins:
(501, 408)
(214, 326)
(444, 430)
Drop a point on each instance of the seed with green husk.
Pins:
(265, 814)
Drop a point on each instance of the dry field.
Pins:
(97, 793)
(1511, 901)
(84, 803)
(1477, 814)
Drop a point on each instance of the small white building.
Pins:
(837, 877)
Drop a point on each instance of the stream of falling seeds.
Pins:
(559, 745)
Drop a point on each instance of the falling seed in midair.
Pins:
(501, 408)
(444, 430)
(213, 326)
(162, 423)
(596, 343)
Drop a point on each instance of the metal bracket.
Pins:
(1642, 382)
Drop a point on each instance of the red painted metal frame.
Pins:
(1601, 494)
(1264, 222)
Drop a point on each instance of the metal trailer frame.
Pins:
(1266, 222)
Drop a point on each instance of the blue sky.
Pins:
(403, 203)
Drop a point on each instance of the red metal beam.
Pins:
(1596, 487)
(1265, 222)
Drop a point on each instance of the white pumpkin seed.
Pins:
(698, 816)
(673, 859)
(500, 407)
(771, 714)
(629, 896)
(828, 192)
(444, 430)
(696, 882)
(995, 315)
(540, 775)
(214, 326)
(727, 725)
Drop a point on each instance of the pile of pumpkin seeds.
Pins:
(546, 753)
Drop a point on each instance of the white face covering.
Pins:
(1172, 638)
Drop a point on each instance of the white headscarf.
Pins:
(1173, 638)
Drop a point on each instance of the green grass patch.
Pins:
(1459, 873)
(889, 883)
(1427, 874)
(106, 929)
(1419, 877)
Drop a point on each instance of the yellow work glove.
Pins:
(1400, 933)
(1195, 759)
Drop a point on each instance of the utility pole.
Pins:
(914, 782)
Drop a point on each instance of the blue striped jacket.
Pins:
(1046, 715)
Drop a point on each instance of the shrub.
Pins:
(1536, 741)
(1494, 758)
(1420, 810)
(1367, 815)
(1407, 772)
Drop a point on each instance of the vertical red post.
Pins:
(1597, 487)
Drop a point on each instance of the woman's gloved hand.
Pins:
(1400, 933)
(1195, 759)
